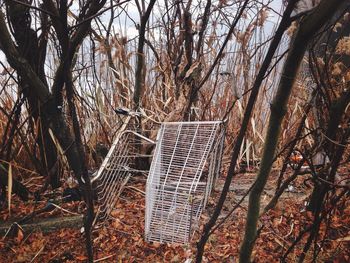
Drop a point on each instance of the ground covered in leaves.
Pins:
(122, 239)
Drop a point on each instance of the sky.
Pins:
(126, 26)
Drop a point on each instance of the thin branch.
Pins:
(34, 7)
(97, 14)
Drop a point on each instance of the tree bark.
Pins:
(48, 103)
(308, 26)
(140, 60)
(33, 49)
(337, 110)
(284, 24)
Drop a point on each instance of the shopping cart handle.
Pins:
(122, 111)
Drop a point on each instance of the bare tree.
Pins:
(284, 24)
(27, 57)
(307, 28)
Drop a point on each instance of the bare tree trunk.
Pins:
(32, 48)
(140, 60)
(49, 103)
(338, 108)
(284, 24)
(320, 208)
(307, 28)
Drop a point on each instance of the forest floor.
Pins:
(123, 239)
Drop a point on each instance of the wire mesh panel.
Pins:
(116, 169)
(186, 158)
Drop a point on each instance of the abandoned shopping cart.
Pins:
(185, 164)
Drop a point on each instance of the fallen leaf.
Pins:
(19, 236)
(81, 258)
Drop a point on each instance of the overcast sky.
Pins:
(125, 26)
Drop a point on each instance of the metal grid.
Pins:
(186, 159)
(116, 169)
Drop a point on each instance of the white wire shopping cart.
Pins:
(185, 164)
(186, 161)
(118, 166)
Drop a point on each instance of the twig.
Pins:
(136, 189)
(291, 230)
(64, 210)
(9, 229)
(104, 258)
(98, 14)
(37, 254)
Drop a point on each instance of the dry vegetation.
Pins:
(186, 61)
